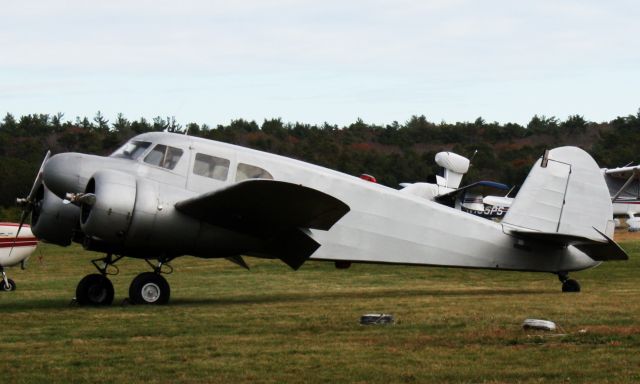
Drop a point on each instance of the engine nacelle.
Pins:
(109, 218)
(137, 217)
(52, 220)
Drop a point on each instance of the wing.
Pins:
(623, 183)
(622, 172)
(276, 211)
(251, 204)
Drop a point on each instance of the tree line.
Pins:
(393, 153)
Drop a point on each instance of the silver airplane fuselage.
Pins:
(136, 197)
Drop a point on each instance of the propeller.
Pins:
(27, 203)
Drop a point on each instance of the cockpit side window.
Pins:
(131, 150)
(164, 156)
(246, 171)
(211, 166)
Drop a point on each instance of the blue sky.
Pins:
(315, 61)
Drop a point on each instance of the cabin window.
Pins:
(164, 156)
(246, 171)
(131, 150)
(211, 166)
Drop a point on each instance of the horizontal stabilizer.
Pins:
(256, 206)
(603, 250)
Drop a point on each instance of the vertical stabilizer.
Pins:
(455, 166)
(564, 193)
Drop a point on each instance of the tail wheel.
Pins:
(570, 285)
(149, 288)
(7, 287)
(94, 289)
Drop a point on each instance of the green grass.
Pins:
(274, 325)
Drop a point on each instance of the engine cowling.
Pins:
(109, 218)
(52, 220)
(136, 216)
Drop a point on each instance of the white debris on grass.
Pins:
(544, 325)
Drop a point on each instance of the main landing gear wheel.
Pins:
(149, 288)
(11, 286)
(94, 289)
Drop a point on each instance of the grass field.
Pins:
(274, 325)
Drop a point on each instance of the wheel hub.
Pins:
(150, 292)
(97, 293)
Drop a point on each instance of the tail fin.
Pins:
(455, 166)
(566, 194)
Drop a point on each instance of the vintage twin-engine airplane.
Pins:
(15, 249)
(164, 195)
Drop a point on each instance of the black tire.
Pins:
(95, 290)
(570, 285)
(7, 288)
(149, 288)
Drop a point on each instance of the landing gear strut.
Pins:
(6, 284)
(568, 285)
(146, 288)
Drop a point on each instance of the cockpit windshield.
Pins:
(164, 156)
(131, 150)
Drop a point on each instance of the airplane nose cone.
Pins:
(61, 174)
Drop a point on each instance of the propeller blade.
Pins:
(15, 239)
(27, 202)
(23, 218)
(38, 180)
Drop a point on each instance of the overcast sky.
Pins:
(315, 61)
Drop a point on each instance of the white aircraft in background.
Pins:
(490, 206)
(623, 184)
(445, 189)
(624, 188)
(453, 169)
(14, 250)
(163, 195)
